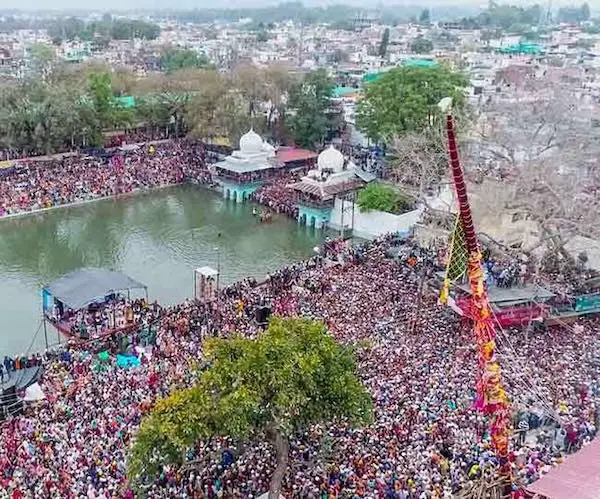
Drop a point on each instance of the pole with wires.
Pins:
(492, 399)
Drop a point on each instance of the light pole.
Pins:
(218, 250)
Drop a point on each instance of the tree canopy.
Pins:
(309, 101)
(421, 45)
(574, 14)
(405, 99)
(201, 100)
(175, 59)
(505, 16)
(385, 40)
(381, 197)
(292, 376)
(108, 28)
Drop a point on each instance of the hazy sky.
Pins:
(190, 4)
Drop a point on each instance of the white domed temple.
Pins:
(241, 173)
(333, 177)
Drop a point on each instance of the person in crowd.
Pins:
(418, 362)
(34, 185)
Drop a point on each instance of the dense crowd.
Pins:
(110, 139)
(277, 197)
(415, 357)
(68, 179)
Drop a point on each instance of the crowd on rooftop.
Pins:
(414, 356)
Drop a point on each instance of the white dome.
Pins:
(331, 159)
(251, 143)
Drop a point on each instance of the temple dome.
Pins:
(331, 159)
(251, 143)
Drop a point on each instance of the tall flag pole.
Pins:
(492, 399)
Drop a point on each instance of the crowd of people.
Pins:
(277, 197)
(34, 185)
(99, 319)
(415, 357)
(110, 139)
(506, 273)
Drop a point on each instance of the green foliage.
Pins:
(40, 118)
(504, 16)
(176, 59)
(294, 375)
(421, 45)
(424, 17)
(108, 113)
(574, 14)
(310, 99)
(262, 36)
(381, 197)
(592, 28)
(41, 59)
(164, 110)
(405, 99)
(108, 28)
(385, 40)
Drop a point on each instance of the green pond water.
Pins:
(158, 238)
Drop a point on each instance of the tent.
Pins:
(85, 286)
(127, 361)
(577, 478)
(419, 63)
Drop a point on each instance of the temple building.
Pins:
(316, 191)
(241, 173)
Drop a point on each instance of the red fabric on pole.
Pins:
(461, 189)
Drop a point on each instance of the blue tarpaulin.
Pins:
(127, 361)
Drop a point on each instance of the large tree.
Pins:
(310, 100)
(174, 59)
(405, 100)
(272, 388)
(421, 45)
(278, 83)
(215, 109)
(385, 40)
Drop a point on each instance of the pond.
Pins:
(158, 238)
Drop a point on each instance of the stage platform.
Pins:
(22, 378)
(513, 296)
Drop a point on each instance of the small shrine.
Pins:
(316, 191)
(241, 173)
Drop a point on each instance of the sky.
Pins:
(107, 5)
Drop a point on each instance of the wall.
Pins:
(316, 217)
(372, 224)
(239, 192)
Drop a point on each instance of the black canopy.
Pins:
(84, 286)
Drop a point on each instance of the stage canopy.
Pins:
(577, 478)
(84, 286)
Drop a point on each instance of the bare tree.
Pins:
(419, 162)
(542, 154)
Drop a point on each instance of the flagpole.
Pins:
(492, 399)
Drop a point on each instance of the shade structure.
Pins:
(577, 478)
(84, 286)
